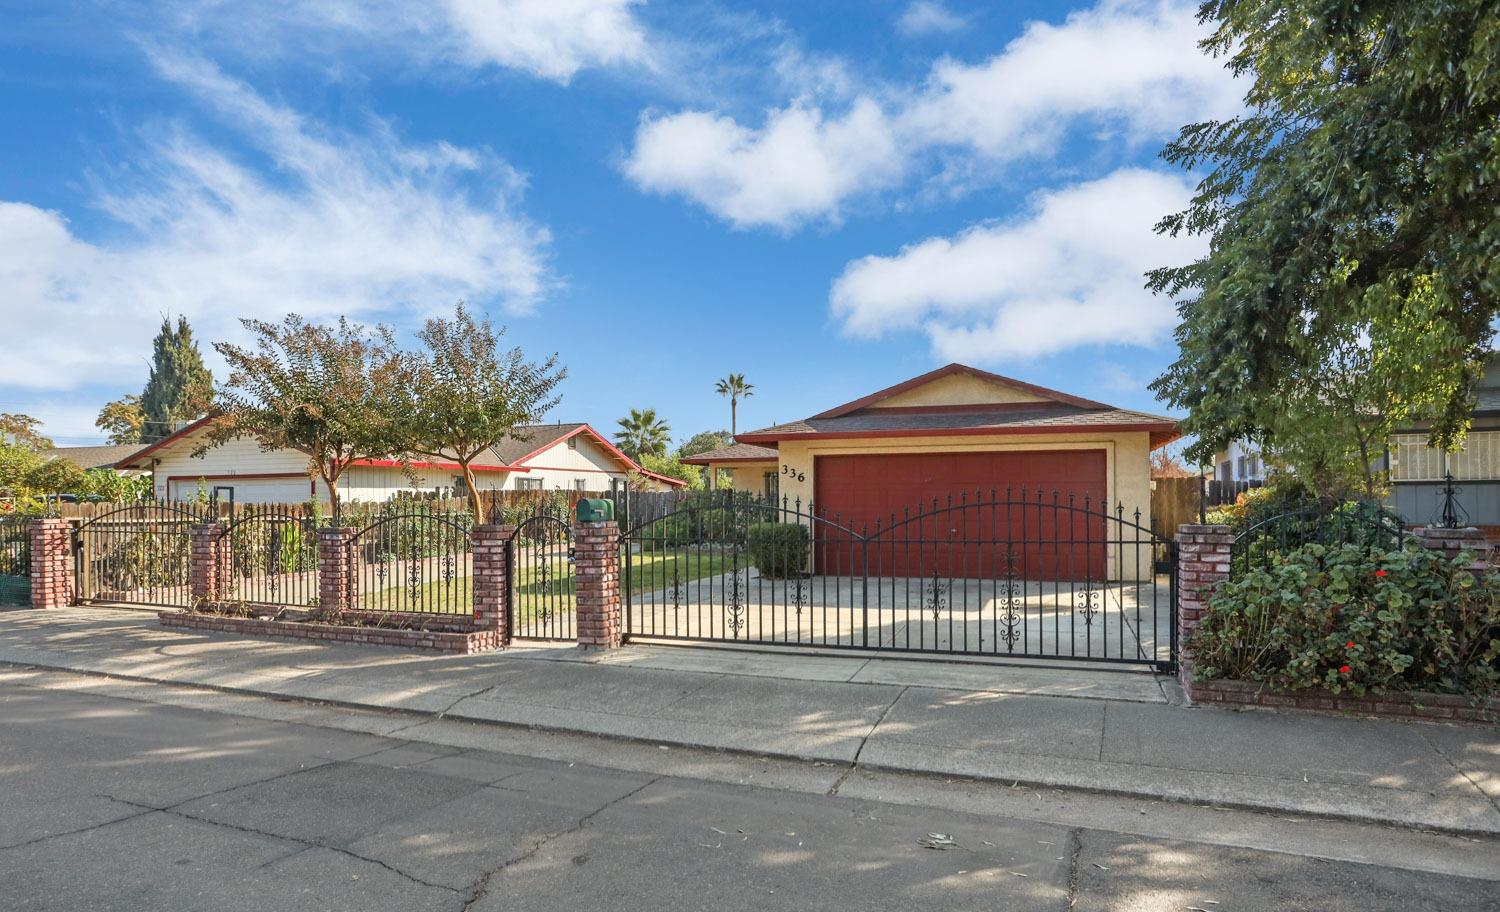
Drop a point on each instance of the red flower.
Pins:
(1380, 573)
(1349, 645)
(1344, 669)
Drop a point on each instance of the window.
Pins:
(1413, 460)
(459, 488)
(573, 442)
(772, 483)
(580, 484)
(1240, 469)
(528, 484)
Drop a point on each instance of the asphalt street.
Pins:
(131, 806)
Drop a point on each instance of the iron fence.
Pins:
(15, 561)
(543, 603)
(1365, 525)
(271, 559)
(1001, 573)
(418, 562)
(138, 554)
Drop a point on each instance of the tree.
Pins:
(641, 433)
(123, 420)
(1358, 198)
(735, 387)
(336, 393)
(705, 442)
(1165, 465)
(468, 397)
(22, 431)
(179, 388)
(672, 467)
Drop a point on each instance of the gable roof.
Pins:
(94, 457)
(951, 370)
(1051, 412)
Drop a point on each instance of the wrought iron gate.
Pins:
(271, 558)
(414, 562)
(15, 561)
(542, 585)
(1000, 574)
(137, 554)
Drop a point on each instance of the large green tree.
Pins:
(642, 433)
(338, 393)
(468, 396)
(1355, 201)
(704, 442)
(179, 387)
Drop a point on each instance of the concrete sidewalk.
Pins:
(1104, 731)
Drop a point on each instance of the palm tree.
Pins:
(642, 433)
(735, 387)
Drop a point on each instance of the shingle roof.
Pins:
(739, 452)
(96, 457)
(1016, 418)
(527, 439)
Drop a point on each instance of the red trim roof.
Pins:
(396, 464)
(131, 461)
(948, 371)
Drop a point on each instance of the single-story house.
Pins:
(1417, 471)
(955, 430)
(563, 456)
(97, 457)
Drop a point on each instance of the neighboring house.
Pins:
(956, 430)
(1417, 471)
(1240, 464)
(97, 457)
(539, 457)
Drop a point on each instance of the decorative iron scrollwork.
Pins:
(1086, 602)
(734, 612)
(935, 596)
(1012, 604)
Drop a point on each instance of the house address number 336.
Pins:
(793, 474)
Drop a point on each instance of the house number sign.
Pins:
(793, 474)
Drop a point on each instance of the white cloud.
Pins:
(799, 165)
(1129, 67)
(927, 17)
(364, 225)
(1067, 274)
(1126, 64)
(552, 39)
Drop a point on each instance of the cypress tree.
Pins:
(180, 387)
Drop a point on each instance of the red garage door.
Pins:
(1029, 533)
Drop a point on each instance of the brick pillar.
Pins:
(596, 566)
(1450, 542)
(492, 581)
(208, 564)
(337, 586)
(52, 583)
(1202, 561)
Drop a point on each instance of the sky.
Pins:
(827, 197)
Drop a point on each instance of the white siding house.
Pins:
(540, 457)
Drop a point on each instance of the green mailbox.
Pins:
(595, 509)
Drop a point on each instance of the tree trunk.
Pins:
(475, 503)
(734, 409)
(332, 482)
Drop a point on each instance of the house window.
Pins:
(1240, 469)
(459, 488)
(572, 443)
(1413, 460)
(580, 484)
(772, 485)
(528, 484)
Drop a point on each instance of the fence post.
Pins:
(1202, 562)
(336, 561)
(51, 563)
(208, 564)
(492, 592)
(597, 571)
(1450, 542)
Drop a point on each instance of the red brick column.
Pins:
(1450, 542)
(52, 583)
(491, 544)
(596, 565)
(337, 586)
(208, 564)
(1202, 561)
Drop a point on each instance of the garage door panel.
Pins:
(1034, 514)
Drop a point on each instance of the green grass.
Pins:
(647, 572)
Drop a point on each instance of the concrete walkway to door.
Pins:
(1104, 731)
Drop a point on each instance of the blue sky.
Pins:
(827, 197)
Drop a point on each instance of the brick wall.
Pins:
(492, 594)
(337, 585)
(597, 570)
(439, 640)
(208, 563)
(52, 579)
(1203, 552)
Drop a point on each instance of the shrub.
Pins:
(670, 532)
(1354, 618)
(778, 550)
